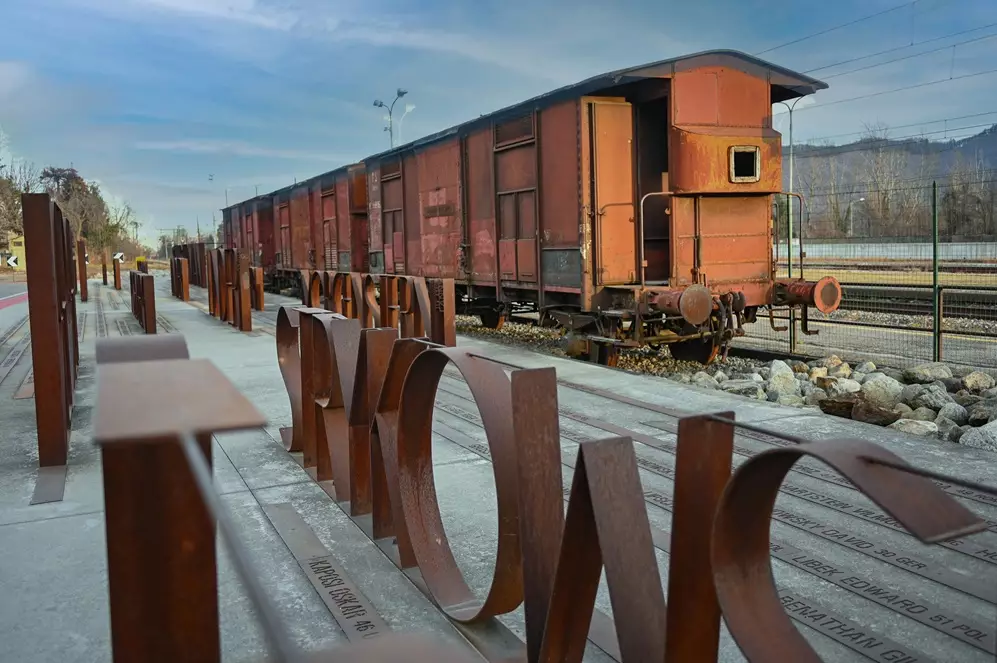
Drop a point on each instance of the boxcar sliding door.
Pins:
(611, 127)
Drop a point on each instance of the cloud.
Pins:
(235, 148)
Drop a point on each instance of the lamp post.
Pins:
(789, 218)
(380, 104)
(851, 219)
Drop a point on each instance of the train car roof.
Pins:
(785, 84)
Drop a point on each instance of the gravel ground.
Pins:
(644, 360)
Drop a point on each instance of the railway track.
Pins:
(969, 303)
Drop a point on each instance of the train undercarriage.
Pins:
(696, 324)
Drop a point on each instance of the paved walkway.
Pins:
(857, 588)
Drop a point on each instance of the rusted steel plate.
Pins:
(702, 468)
(50, 327)
(353, 611)
(740, 556)
(417, 492)
(188, 394)
(50, 484)
(289, 361)
(140, 348)
(970, 631)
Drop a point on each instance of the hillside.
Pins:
(881, 187)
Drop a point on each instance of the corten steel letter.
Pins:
(256, 283)
(389, 301)
(173, 277)
(47, 314)
(117, 274)
(289, 361)
(147, 288)
(606, 525)
(309, 440)
(155, 516)
(491, 390)
(411, 316)
(335, 340)
(184, 279)
(81, 265)
(703, 458)
(211, 277)
(103, 265)
(740, 556)
(244, 319)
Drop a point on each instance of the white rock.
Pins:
(818, 372)
(984, 437)
(978, 381)
(945, 427)
(882, 390)
(748, 388)
(954, 412)
(923, 414)
(843, 386)
(865, 367)
(915, 427)
(928, 372)
(933, 396)
(720, 377)
(704, 379)
(903, 409)
(842, 370)
(815, 396)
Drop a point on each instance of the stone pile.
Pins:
(929, 399)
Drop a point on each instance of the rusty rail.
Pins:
(143, 294)
(55, 348)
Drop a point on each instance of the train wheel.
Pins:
(492, 319)
(702, 350)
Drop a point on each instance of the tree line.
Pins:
(103, 225)
(881, 187)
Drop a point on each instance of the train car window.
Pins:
(745, 163)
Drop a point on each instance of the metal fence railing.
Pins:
(920, 289)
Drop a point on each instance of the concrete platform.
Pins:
(843, 571)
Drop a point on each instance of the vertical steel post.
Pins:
(81, 268)
(935, 291)
(47, 316)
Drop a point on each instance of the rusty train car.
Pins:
(632, 208)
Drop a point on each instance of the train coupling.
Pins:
(694, 304)
(824, 295)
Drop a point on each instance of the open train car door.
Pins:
(611, 144)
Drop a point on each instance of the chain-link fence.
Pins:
(918, 269)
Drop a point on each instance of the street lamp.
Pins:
(380, 104)
(850, 217)
(792, 186)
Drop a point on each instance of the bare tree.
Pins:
(16, 177)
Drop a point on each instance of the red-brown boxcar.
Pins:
(632, 208)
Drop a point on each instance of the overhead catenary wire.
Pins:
(900, 48)
(836, 27)
(913, 55)
(899, 89)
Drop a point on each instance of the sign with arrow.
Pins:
(12, 261)
(119, 256)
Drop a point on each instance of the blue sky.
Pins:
(151, 96)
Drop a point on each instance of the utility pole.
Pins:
(380, 104)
